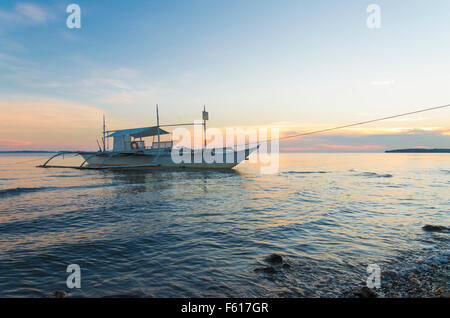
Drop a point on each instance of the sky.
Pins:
(290, 64)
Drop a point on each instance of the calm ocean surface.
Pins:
(187, 233)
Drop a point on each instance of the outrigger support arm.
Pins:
(62, 153)
(81, 166)
(54, 156)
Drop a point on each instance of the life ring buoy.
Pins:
(134, 145)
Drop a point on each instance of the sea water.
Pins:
(196, 233)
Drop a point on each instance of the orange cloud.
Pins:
(14, 143)
(350, 147)
(50, 124)
(299, 149)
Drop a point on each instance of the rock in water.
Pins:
(60, 294)
(434, 228)
(366, 292)
(275, 259)
(266, 269)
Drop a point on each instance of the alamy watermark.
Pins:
(227, 148)
(374, 278)
(74, 19)
(74, 279)
(374, 19)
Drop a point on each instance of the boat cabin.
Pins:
(131, 139)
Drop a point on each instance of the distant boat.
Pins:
(130, 151)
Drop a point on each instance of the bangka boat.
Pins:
(130, 151)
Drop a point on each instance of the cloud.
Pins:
(298, 149)
(125, 72)
(374, 142)
(423, 130)
(32, 12)
(12, 45)
(328, 148)
(412, 118)
(127, 97)
(51, 124)
(106, 82)
(13, 143)
(350, 147)
(122, 98)
(24, 13)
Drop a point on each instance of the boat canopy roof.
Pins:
(139, 132)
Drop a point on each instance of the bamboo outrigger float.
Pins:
(130, 151)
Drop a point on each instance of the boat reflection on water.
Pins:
(156, 179)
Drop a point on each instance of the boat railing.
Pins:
(162, 144)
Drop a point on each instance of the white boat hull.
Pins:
(163, 159)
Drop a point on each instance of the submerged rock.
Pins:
(435, 228)
(274, 259)
(60, 294)
(274, 264)
(266, 269)
(286, 266)
(366, 292)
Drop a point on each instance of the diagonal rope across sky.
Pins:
(365, 122)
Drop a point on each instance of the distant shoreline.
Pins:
(28, 151)
(418, 150)
(410, 150)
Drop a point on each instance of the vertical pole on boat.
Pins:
(157, 125)
(104, 133)
(205, 118)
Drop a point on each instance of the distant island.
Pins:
(418, 150)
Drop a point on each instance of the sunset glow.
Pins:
(57, 82)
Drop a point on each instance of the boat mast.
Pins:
(205, 118)
(104, 133)
(157, 125)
